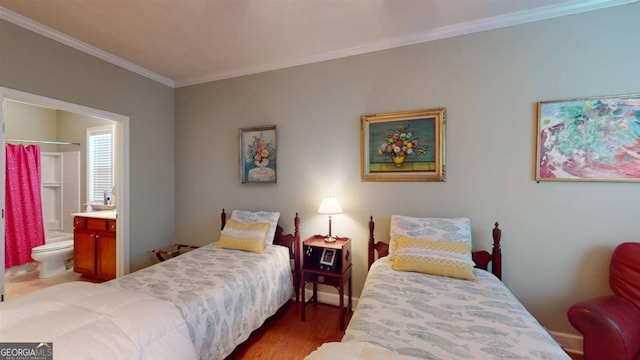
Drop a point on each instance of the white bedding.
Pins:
(353, 350)
(435, 317)
(223, 295)
(95, 321)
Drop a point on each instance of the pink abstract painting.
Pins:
(595, 139)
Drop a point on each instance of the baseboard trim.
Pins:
(569, 342)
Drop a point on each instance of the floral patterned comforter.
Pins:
(223, 295)
(435, 317)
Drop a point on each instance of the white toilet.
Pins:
(52, 257)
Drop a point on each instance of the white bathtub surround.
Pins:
(60, 198)
(60, 189)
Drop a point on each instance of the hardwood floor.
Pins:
(576, 356)
(284, 336)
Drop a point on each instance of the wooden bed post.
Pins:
(223, 219)
(298, 258)
(372, 241)
(496, 253)
(380, 248)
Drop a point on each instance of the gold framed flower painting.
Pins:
(258, 155)
(404, 146)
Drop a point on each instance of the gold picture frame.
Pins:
(404, 146)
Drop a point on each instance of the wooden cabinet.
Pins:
(94, 251)
(84, 251)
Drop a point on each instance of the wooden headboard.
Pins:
(482, 258)
(290, 241)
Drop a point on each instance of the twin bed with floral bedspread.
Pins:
(427, 301)
(199, 305)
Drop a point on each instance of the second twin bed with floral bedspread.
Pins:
(221, 311)
(223, 293)
(427, 301)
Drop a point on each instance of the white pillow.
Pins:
(438, 229)
(250, 217)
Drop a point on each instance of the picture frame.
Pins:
(328, 258)
(404, 146)
(588, 139)
(258, 155)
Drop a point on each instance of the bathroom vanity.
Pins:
(94, 251)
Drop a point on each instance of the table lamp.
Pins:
(329, 206)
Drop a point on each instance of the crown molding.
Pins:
(495, 22)
(45, 31)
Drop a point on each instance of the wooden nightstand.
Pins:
(327, 264)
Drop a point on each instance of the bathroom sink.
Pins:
(104, 214)
(100, 207)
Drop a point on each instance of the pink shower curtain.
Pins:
(24, 228)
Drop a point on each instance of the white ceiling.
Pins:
(185, 42)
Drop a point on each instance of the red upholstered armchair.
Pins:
(610, 325)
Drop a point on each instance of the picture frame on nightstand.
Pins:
(328, 259)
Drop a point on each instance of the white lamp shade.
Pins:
(330, 206)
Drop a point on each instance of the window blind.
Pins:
(99, 163)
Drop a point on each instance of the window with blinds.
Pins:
(99, 162)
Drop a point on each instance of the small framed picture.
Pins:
(328, 257)
(258, 155)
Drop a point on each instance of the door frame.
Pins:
(121, 169)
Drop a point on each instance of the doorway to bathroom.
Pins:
(70, 122)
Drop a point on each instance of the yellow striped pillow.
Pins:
(239, 236)
(452, 259)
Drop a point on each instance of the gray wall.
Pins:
(34, 64)
(557, 236)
